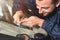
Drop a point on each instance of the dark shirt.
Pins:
(52, 24)
(17, 4)
(31, 5)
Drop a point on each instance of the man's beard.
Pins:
(48, 15)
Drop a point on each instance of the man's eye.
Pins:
(45, 7)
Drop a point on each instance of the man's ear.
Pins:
(58, 3)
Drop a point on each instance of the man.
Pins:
(50, 11)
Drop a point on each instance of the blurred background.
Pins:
(6, 15)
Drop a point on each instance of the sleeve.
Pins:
(53, 29)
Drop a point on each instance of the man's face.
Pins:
(45, 6)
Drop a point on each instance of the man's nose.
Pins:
(40, 10)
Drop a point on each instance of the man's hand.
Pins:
(32, 21)
(18, 16)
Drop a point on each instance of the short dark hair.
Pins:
(54, 1)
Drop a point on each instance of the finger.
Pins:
(24, 20)
(28, 24)
(16, 22)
